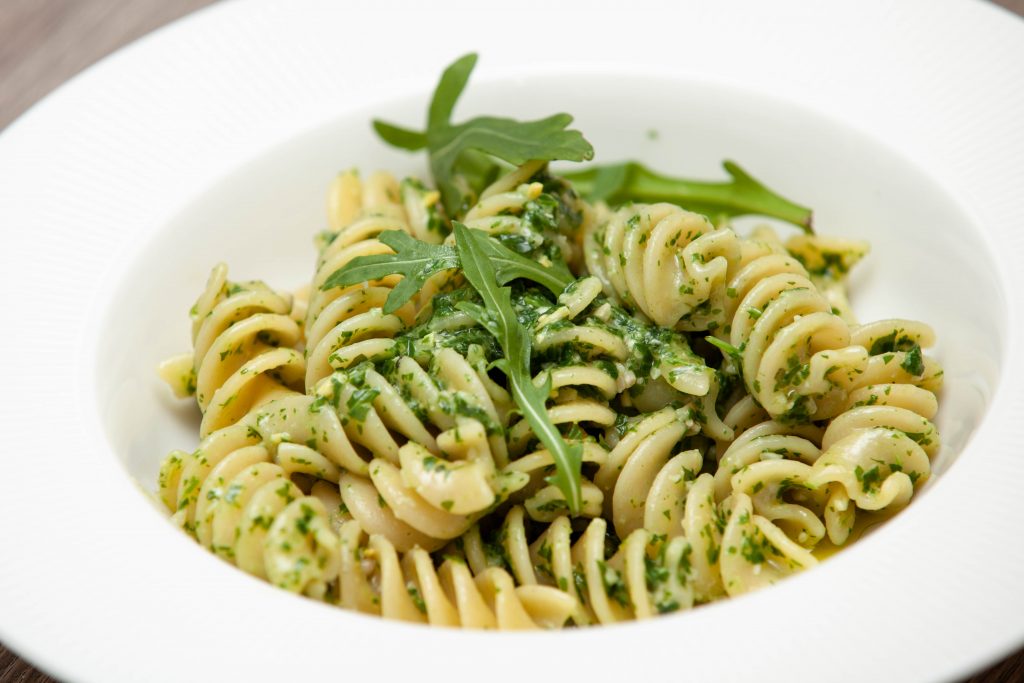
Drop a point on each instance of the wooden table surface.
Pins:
(45, 42)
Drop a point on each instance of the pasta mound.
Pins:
(736, 423)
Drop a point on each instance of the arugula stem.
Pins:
(499, 318)
(568, 459)
(743, 195)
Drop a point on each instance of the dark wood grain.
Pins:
(45, 42)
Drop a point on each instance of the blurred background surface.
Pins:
(45, 42)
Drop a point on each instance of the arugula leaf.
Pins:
(742, 195)
(449, 89)
(400, 137)
(499, 318)
(508, 266)
(418, 261)
(453, 147)
(513, 141)
(414, 260)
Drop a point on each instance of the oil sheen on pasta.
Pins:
(737, 422)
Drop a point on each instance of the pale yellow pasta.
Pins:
(755, 552)
(797, 355)
(243, 351)
(667, 263)
(830, 258)
(542, 501)
(502, 208)
(734, 421)
(637, 457)
(604, 590)
(408, 585)
(344, 323)
(243, 506)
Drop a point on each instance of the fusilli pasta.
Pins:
(732, 417)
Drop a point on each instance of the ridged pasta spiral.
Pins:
(771, 463)
(810, 482)
(344, 323)
(244, 354)
(533, 212)
(671, 526)
(879, 449)
(871, 456)
(237, 493)
(378, 578)
(660, 260)
(588, 346)
(649, 573)
(637, 478)
(798, 362)
(434, 442)
(871, 382)
(656, 490)
(706, 551)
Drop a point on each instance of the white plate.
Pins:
(897, 122)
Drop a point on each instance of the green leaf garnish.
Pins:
(742, 195)
(513, 141)
(418, 261)
(913, 361)
(400, 137)
(414, 260)
(499, 318)
(508, 266)
(449, 89)
(726, 348)
(453, 146)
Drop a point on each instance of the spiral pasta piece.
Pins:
(732, 550)
(379, 578)
(617, 588)
(434, 442)
(879, 449)
(243, 351)
(755, 552)
(533, 212)
(236, 494)
(345, 323)
(648, 575)
(797, 358)
(810, 481)
(665, 262)
(770, 463)
(829, 259)
(633, 463)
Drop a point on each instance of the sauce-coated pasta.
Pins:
(735, 421)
